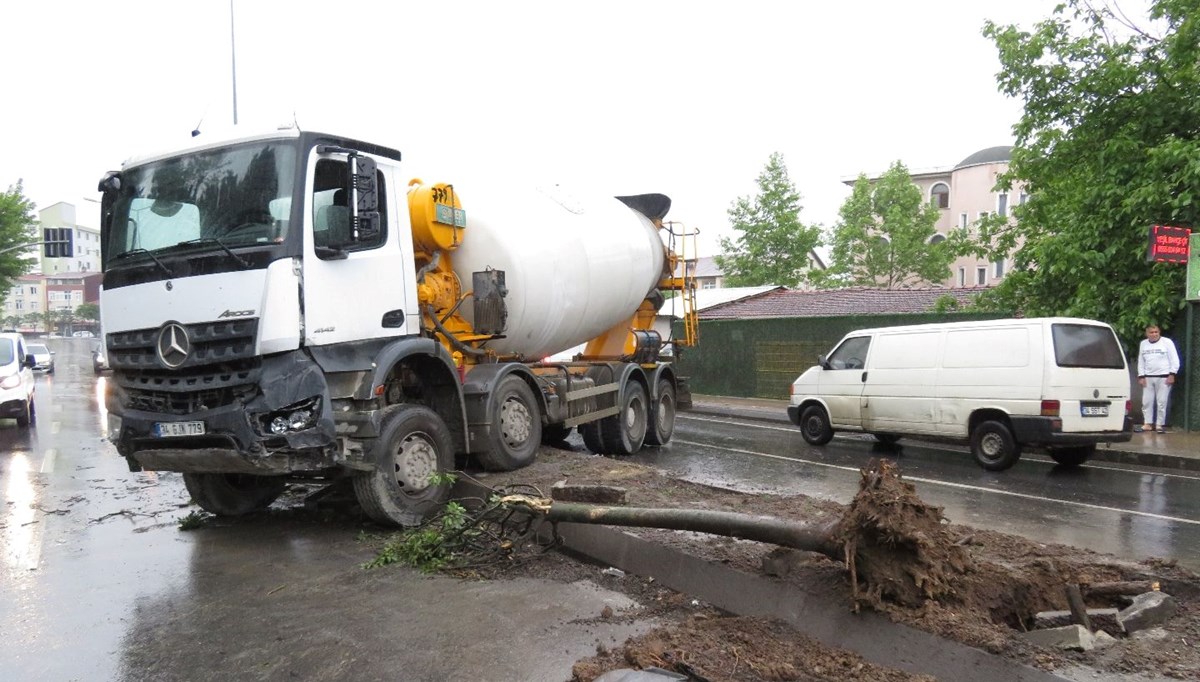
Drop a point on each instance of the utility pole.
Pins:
(233, 60)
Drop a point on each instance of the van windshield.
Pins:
(1086, 345)
(6, 351)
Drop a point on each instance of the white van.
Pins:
(16, 379)
(1059, 383)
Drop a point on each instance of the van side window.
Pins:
(852, 354)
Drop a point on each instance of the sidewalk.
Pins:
(1175, 450)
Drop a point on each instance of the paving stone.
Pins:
(1148, 610)
(1067, 637)
(1101, 619)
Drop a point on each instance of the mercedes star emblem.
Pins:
(174, 346)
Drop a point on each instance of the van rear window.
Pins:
(1085, 345)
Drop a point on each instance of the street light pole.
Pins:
(233, 60)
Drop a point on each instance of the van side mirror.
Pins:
(30, 361)
(823, 362)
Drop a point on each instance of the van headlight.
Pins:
(295, 417)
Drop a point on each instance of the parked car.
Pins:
(85, 334)
(99, 358)
(44, 357)
(16, 379)
(1058, 383)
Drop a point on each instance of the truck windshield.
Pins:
(215, 199)
(1085, 345)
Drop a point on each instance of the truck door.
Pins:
(353, 289)
(841, 384)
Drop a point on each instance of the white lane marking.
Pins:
(48, 461)
(950, 448)
(948, 484)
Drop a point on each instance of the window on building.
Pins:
(1002, 205)
(20, 305)
(939, 195)
(708, 284)
(77, 296)
(962, 219)
(1024, 198)
(937, 238)
(980, 276)
(984, 214)
(998, 269)
(962, 277)
(33, 289)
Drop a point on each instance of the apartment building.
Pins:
(86, 241)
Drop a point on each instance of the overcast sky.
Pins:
(684, 98)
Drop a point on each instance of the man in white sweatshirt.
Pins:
(1158, 363)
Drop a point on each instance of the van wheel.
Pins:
(413, 445)
(1073, 456)
(233, 494)
(516, 427)
(814, 425)
(662, 415)
(624, 432)
(994, 447)
(886, 438)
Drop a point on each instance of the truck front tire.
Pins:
(516, 429)
(413, 445)
(233, 494)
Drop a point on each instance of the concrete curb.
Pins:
(1105, 453)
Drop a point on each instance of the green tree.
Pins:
(1108, 145)
(772, 246)
(18, 225)
(88, 311)
(882, 238)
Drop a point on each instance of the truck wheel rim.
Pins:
(633, 414)
(415, 462)
(514, 422)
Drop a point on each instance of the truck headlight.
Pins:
(296, 417)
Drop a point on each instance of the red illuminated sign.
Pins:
(1168, 244)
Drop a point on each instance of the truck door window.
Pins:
(331, 208)
(852, 354)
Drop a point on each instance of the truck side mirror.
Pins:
(364, 221)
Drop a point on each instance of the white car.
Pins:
(44, 357)
(16, 380)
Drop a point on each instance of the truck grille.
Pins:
(221, 368)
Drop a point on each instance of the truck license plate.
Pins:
(171, 429)
(1095, 410)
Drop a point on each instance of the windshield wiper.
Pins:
(141, 252)
(214, 240)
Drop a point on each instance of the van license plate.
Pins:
(171, 429)
(1094, 410)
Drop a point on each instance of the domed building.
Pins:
(964, 194)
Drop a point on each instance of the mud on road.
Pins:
(975, 587)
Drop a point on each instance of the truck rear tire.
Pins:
(624, 432)
(591, 437)
(994, 447)
(233, 494)
(555, 434)
(662, 416)
(516, 429)
(413, 445)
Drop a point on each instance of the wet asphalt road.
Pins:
(97, 581)
(1131, 512)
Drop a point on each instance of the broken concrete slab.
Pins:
(1074, 637)
(1103, 639)
(1148, 610)
(1102, 619)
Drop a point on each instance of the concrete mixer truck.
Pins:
(287, 306)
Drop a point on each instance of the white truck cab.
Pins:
(1001, 385)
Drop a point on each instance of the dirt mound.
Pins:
(712, 648)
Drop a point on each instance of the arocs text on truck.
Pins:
(290, 306)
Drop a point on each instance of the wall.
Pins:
(761, 358)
